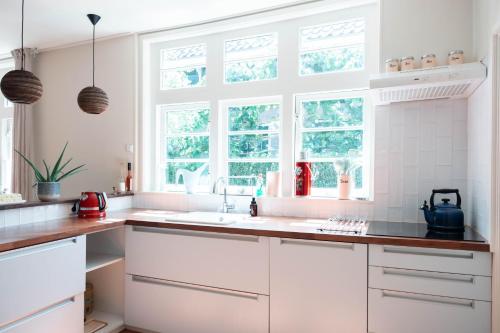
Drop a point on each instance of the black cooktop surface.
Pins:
(419, 230)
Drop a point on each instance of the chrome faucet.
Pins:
(226, 206)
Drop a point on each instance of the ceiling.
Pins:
(55, 23)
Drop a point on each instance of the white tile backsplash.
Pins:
(39, 214)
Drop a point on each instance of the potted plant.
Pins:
(48, 185)
(345, 167)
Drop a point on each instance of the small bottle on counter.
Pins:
(253, 207)
(128, 180)
(121, 185)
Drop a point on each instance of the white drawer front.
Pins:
(318, 286)
(37, 276)
(432, 283)
(397, 312)
(236, 262)
(65, 316)
(426, 259)
(166, 306)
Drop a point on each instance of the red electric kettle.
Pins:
(91, 205)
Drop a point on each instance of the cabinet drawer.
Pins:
(433, 283)
(318, 286)
(37, 276)
(426, 259)
(65, 316)
(396, 312)
(236, 262)
(166, 306)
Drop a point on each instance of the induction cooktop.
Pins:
(419, 230)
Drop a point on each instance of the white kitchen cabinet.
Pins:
(64, 316)
(35, 277)
(415, 290)
(227, 261)
(396, 312)
(318, 286)
(167, 306)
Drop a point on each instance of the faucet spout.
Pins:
(226, 206)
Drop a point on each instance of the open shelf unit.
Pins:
(106, 272)
(100, 260)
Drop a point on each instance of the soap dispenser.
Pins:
(253, 207)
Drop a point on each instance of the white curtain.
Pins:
(22, 174)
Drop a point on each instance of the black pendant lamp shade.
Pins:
(21, 86)
(93, 99)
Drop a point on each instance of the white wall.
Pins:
(96, 140)
(486, 18)
(417, 27)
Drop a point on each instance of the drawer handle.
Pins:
(40, 313)
(349, 246)
(429, 299)
(195, 233)
(399, 250)
(197, 287)
(429, 275)
(37, 249)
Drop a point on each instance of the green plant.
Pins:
(56, 174)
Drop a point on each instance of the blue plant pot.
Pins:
(49, 191)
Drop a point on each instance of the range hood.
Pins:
(454, 81)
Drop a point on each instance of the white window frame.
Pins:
(183, 67)
(289, 84)
(161, 147)
(367, 129)
(225, 61)
(224, 159)
(301, 51)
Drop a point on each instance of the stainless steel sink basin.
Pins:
(206, 218)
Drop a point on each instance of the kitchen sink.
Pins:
(206, 218)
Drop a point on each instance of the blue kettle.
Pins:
(445, 217)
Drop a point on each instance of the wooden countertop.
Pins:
(286, 227)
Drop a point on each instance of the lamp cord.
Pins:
(93, 56)
(22, 36)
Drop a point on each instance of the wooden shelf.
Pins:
(99, 260)
(115, 322)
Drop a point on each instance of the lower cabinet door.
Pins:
(396, 312)
(172, 307)
(65, 316)
(318, 287)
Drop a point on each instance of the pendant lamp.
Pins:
(21, 86)
(93, 99)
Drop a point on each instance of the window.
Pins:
(252, 141)
(184, 144)
(6, 154)
(332, 47)
(332, 128)
(241, 119)
(7, 104)
(251, 58)
(183, 67)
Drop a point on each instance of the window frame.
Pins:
(176, 68)
(288, 83)
(368, 138)
(225, 61)
(300, 52)
(224, 160)
(162, 159)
